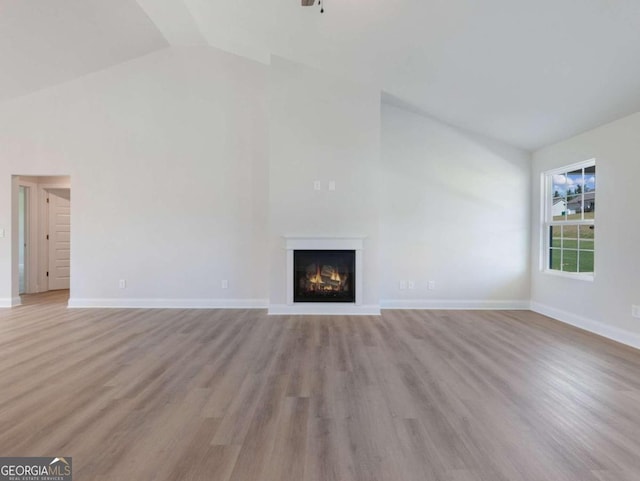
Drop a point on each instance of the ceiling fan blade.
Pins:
(308, 3)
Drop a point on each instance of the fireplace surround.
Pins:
(355, 306)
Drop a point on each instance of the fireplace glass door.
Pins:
(324, 275)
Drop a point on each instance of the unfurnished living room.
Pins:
(335, 240)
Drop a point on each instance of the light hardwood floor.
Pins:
(236, 395)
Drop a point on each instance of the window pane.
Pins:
(585, 233)
(559, 196)
(589, 203)
(575, 183)
(569, 260)
(589, 192)
(559, 208)
(586, 261)
(570, 237)
(590, 178)
(555, 259)
(555, 236)
(571, 248)
(559, 182)
(572, 195)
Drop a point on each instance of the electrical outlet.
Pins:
(431, 285)
(2, 233)
(635, 311)
(122, 284)
(332, 185)
(403, 285)
(225, 284)
(411, 284)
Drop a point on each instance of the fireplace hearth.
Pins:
(324, 275)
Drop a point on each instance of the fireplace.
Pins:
(324, 275)
(343, 291)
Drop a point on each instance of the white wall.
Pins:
(167, 156)
(189, 165)
(322, 128)
(603, 305)
(455, 210)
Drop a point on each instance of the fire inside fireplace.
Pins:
(324, 275)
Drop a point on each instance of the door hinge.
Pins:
(47, 236)
(47, 200)
(47, 273)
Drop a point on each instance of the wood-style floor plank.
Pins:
(236, 395)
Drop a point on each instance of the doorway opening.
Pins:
(42, 236)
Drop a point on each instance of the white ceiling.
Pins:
(527, 72)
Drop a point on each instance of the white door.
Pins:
(59, 238)
(23, 235)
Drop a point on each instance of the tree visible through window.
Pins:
(570, 209)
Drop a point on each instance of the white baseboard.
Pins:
(7, 302)
(596, 327)
(453, 304)
(324, 309)
(169, 303)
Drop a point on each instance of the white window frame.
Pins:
(547, 220)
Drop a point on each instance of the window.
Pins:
(569, 227)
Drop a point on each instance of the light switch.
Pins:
(332, 185)
(316, 185)
(1, 232)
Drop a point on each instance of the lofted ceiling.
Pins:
(527, 72)
(47, 42)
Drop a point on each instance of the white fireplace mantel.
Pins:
(325, 243)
